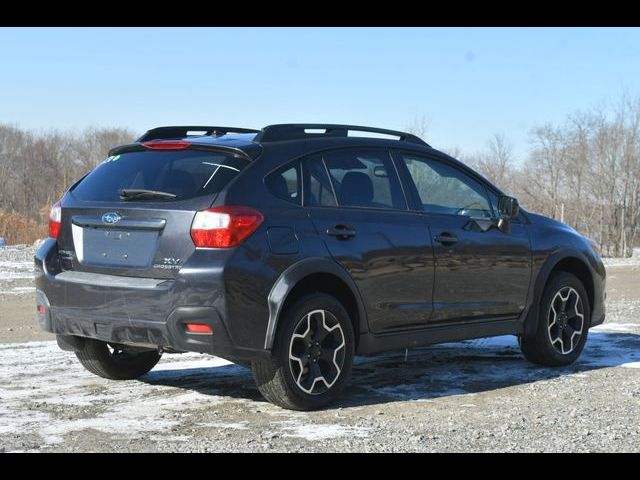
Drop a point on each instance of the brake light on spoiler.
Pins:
(166, 145)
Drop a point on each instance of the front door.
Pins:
(481, 272)
(363, 218)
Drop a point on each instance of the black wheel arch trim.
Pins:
(532, 314)
(290, 278)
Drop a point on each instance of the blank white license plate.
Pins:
(118, 248)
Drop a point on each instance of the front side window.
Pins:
(364, 178)
(442, 188)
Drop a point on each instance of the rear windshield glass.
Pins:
(186, 174)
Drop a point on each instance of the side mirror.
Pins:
(508, 207)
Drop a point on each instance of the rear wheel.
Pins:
(312, 355)
(116, 362)
(563, 323)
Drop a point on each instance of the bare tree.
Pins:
(455, 152)
(419, 126)
(584, 171)
(497, 162)
(37, 167)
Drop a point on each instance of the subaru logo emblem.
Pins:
(111, 217)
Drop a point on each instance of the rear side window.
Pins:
(363, 178)
(285, 184)
(185, 173)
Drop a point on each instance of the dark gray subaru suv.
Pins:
(293, 248)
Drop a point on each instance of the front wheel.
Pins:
(563, 323)
(116, 362)
(312, 355)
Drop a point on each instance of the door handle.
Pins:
(342, 231)
(446, 238)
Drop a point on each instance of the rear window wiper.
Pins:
(135, 193)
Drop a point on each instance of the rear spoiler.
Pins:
(179, 132)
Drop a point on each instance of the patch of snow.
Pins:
(631, 365)
(634, 259)
(229, 425)
(12, 420)
(176, 362)
(18, 290)
(315, 431)
(616, 327)
(16, 270)
(474, 366)
(31, 403)
(45, 392)
(170, 438)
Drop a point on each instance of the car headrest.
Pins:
(356, 189)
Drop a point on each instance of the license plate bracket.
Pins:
(109, 247)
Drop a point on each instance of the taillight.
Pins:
(224, 227)
(55, 219)
(167, 145)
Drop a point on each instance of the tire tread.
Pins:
(95, 357)
(537, 348)
(270, 375)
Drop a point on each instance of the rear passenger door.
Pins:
(357, 205)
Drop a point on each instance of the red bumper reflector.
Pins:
(41, 309)
(199, 328)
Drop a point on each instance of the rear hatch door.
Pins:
(132, 214)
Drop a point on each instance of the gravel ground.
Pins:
(469, 396)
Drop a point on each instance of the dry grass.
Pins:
(16, 228)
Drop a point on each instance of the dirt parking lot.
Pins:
(477, 395)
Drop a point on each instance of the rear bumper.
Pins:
(140, 312)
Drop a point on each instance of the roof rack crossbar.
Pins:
(176, 132)
(293, 131)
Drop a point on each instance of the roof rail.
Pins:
(173, 132)
(294, 131)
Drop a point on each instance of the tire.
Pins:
(554, 345)
(299, 384)
(120, 363)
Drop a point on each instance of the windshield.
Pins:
(185, 174)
